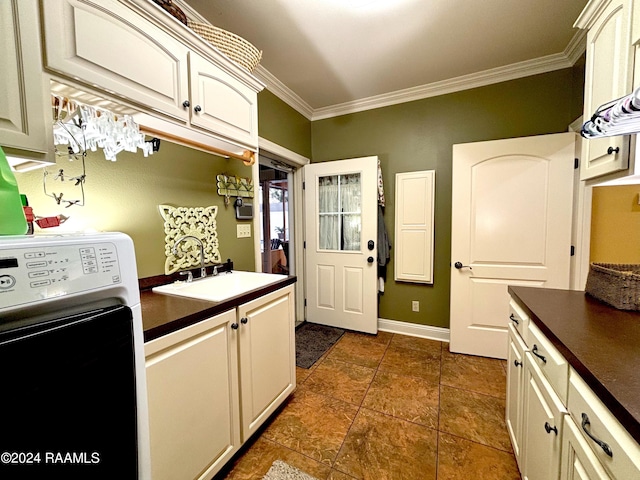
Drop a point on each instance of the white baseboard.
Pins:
(414, 329)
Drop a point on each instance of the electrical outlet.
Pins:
(415, 306)
(243, 230)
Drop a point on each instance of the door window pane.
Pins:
(340, 218)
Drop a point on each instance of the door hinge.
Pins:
(576, 163)
(303, 185)
(305, 302)
(573, 250)
(304, 244)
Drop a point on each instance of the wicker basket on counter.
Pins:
(615, 284)
(233, 46)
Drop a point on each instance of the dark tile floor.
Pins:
(390, 407)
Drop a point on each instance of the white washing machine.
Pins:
(73, 400)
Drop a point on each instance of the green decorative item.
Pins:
(12, 219)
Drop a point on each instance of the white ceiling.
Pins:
(333, 55)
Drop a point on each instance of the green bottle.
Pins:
(12, 219)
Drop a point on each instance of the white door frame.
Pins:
(298, 220)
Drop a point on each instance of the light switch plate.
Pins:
(243, 230)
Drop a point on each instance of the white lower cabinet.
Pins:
(267, 356)
(515, 379)
(559, 428)
(542, 425)
(212, 384)
(192, 384)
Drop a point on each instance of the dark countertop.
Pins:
(600, 342)
(163, 314)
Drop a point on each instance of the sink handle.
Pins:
(189, 275)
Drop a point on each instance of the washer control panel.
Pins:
(36, 273)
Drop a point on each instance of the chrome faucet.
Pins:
(203, 270)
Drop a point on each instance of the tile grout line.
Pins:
(359, 406)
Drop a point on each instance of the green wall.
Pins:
(419, 135)
(124, 196)
(283, 125)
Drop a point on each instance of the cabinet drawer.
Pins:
(584, 406)
(518, 319)
(578, 461)
(552, 364)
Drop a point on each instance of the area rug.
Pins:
(312, 341)
(283, 471)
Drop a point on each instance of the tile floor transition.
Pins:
(389, 407)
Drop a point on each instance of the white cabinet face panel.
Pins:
(193, 397)
(414, 231)
(22, 95)
(608, 76)
(112, 48)
(267, 356)
(515, 378)
(222, 104)
(542, 426)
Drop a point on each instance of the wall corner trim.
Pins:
(414, 330)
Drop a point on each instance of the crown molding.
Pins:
(590, 13)
(549, 63)
(283, 92)
(576, 47)
(465, 82)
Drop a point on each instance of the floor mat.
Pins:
(283, 471)
(312, 341)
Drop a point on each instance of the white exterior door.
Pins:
(341, 243)
(511, 225)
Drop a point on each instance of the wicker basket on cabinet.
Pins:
(615, 284)
(233, 46)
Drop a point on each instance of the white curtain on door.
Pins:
(339, 200)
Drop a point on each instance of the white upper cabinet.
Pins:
(108, 46)
(608, 76)
(221, 103)
(134, 51)
(23, 101)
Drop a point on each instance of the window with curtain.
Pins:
(340, 217)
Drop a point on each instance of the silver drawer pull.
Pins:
(535, 352)
(604, 446)
(514, 319)
(550, 429)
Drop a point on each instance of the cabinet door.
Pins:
(107, 45)
(23, 101)
(515, 378)
(193, 397)
(608, 76)
(267, 356)
(542, 426)
(221, 103)
(578, 461)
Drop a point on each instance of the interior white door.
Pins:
(511, 225)
(341, 222)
